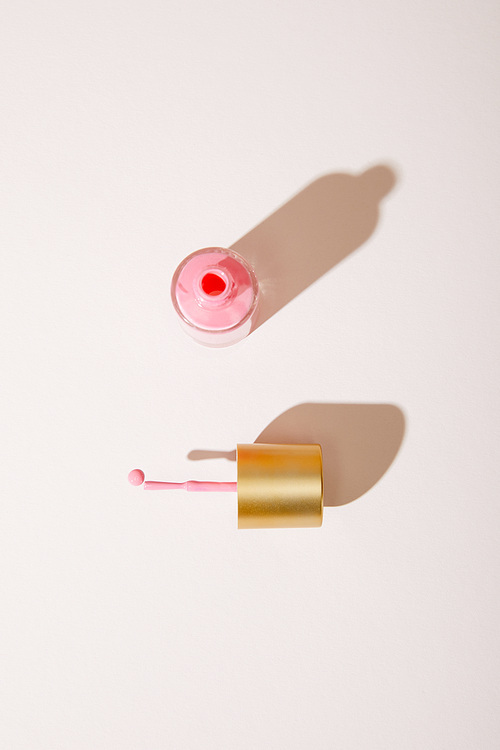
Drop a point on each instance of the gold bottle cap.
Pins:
(279, 486)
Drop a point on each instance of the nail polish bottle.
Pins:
(279, 486)
(215, 294)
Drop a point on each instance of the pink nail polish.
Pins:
(215, 294)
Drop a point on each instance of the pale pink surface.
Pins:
(214, 291)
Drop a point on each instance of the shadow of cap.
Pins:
(359, 442)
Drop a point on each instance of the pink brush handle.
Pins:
(193, 486)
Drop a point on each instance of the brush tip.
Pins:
(136, 477)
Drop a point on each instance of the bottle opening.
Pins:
(213, 284)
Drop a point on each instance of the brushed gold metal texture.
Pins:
(279, 486)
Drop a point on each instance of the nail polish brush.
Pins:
(279, 486)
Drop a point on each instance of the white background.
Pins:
(133, 133)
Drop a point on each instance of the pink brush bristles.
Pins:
(136, 477)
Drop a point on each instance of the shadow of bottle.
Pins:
(311, 233)
(359, 443)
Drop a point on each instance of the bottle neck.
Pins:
(213, 288)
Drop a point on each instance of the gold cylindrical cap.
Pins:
(279, 486)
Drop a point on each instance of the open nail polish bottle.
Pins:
(215, 293)
(279, 486)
